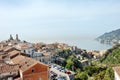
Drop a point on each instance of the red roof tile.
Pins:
(25, 62)
(5, 68)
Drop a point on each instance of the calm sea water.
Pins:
(88, 44)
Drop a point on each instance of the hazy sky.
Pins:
(58, 19)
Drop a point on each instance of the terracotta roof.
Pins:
(13, 53)
(6, 68)
(23, 61)
(25, 47)
(117, 69)
(8, 48)
(2, 55)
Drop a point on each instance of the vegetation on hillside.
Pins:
(112, 56)
(95, 73)
(103, 69)
(98, 71)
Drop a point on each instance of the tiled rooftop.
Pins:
(7, 68)
(13, 53)
(24, 62)
(25, 47)
(8, 48)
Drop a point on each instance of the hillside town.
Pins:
(22, 60)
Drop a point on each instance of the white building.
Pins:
(25, 47)
(42, 57)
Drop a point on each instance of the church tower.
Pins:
(11, 38)
(17, 37)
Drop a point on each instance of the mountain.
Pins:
(110, 37)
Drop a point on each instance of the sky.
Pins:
(58, 19)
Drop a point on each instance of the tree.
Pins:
(109, 75)
(91, 70)
(81, 76)
(100, 76)
(73, 63)
(70, 62)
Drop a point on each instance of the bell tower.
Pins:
(11, 38)
(17, 37)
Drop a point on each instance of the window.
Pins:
(33, 70)
(24, 51)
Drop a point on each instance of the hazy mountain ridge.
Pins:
(110, 37)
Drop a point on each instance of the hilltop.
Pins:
(110, 37)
